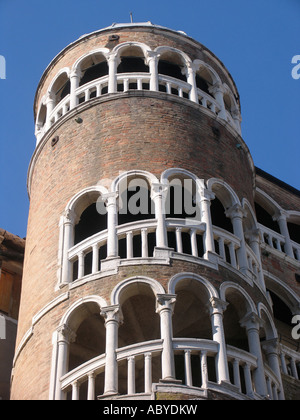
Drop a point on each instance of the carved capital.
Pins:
(165, 302)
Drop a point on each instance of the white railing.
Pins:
(126, 82)
(273, 239)
(174, 86)
(79, 252)
(60, 110)
(91, 247)
(140, 367)
(227, 245)
(290, 361)
(91, 90)
(133, 81)
(130, 230)
(253, 263)
(209, 102)
(138, 240)
(179, 227)
(277, 241)
(296, 250)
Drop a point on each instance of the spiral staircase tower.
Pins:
(143, 272)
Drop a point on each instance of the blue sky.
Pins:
(255, 39)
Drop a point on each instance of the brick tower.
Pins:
(144, 273)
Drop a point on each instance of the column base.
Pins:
(170, 381)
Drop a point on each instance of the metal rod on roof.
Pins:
(131, 18)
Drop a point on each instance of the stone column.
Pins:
(113, 62)
(236, 115)
(65, 336)
(254, 239)
(113, 318)
(191, 79)
(252, 323)
(165, 307)
(217, 308)
(112, 221)
(50, 105)
(91, 386)
(152, 61)
(148, 372)
(205, 199)
(218, 92)
(68, 222)
(131, 375)
(236, 213)
(158, 196)
(271, 349)
(283, 226)
(74, 82)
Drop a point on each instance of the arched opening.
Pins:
(283, 317)
(228, 103)
(41, 119)
(92, 68)
(171, 64)
(61, 88)
(191, 319)
(90, 221)
(140, 324)
(236, 310)
(219, 217)
(181, 203)
(132, 60)
(135, 205)
(294, 231)
(135, 201)
(90, 338)
(264, 216)
(236, 335)
(204, 80)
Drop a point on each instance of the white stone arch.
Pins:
(293, 216)
(65, 70)
(78, 305)
(232, 105)
(151, 179)
(230, 285)
(125, 45)
(64, 335)
(270, 205)
(99, 51)
(269, 326)
(286, 294)
(186, 61)
(224, 192)
(175, 280)
(198, 64)
(168, 173)
(41, 115)
(156, 287)
(250, 213)
(71, 216)
(80, 201)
